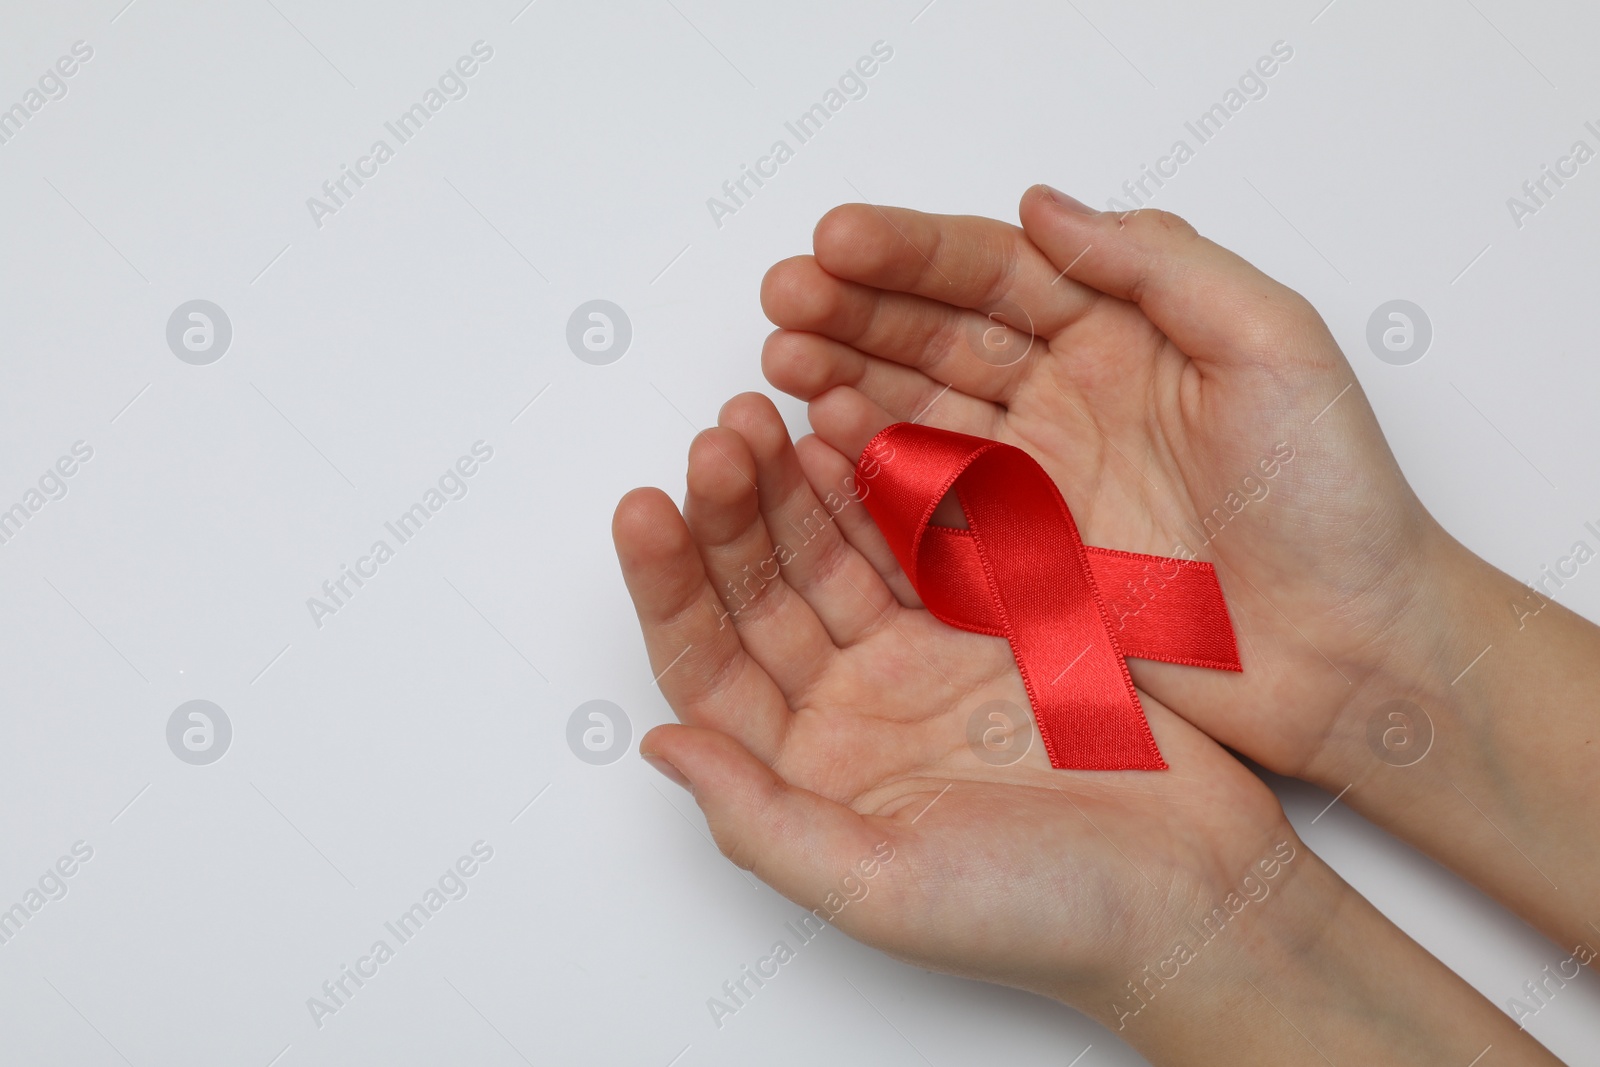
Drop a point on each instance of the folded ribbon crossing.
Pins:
(1073, 614)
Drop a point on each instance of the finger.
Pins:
(807, 364)
(1211, 303)
(829, 471)
(842, 588)
(699, 662)
(794, 840)
(775, 624)
(979, 355)
(847, 420)
(971, 262)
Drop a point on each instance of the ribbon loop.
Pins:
(1072, 614)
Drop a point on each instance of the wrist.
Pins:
(1403, 685)
(1310, 971)
(1181, 999)
(1452, 742)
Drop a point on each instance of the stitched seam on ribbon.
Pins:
(926, 521)
(1236, 664)
(1105, 618)
(1212, 664)
(1147, 555)
(1201, 588)
(1005, 621)
(1183, 661)
(944, 489)
(960, 623)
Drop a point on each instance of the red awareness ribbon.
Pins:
(1073, 614)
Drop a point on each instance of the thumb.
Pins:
(799, 843)
(1216, 307)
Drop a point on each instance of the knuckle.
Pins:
(832, 559)
(722, 676)
(1278, 322)
(1164, 225)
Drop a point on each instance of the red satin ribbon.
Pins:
(1073, 614)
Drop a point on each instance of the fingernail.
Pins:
(1069, 202)
(667, 769)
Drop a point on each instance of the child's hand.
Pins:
(827, 735)
(824, 717)
(1185, 402)
(1180, 399)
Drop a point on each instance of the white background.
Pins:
(369, 353)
